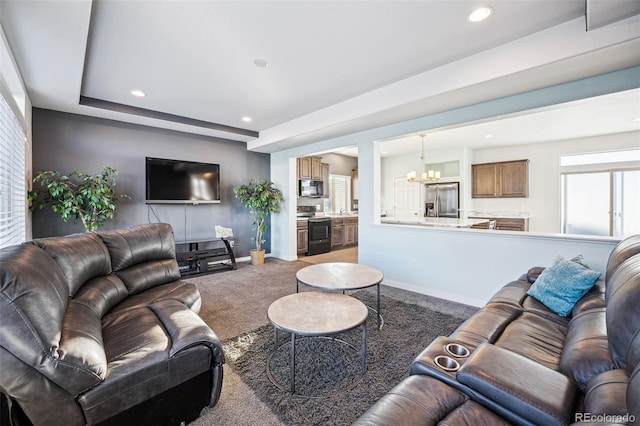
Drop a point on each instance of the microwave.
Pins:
(310, 188)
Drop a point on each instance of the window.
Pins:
(603, 199)
(340, 193)
(12, 177)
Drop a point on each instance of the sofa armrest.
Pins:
(519, 384)
(186, 329)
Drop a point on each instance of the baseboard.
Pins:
(248, 258)
(435, 293)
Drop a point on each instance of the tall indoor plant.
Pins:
(261, 198)
(90, 199)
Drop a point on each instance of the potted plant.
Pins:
(90, 199)
(262, 199)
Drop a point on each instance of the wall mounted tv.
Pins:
(181, 182)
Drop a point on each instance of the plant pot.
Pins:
(257, 257)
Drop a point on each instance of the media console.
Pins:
(204, 257)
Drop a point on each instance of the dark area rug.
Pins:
(330, 371)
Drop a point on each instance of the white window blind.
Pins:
(12, 177)
(340, 192)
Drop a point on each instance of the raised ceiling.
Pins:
(197, 60)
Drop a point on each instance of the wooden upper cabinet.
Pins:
(508, 179)
(485, 180)
(309, 168)
(316, 168)
(514, 179)
(304, 168)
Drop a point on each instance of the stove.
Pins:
(319, 235)
(319, 228)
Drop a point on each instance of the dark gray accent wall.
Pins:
(69, 142)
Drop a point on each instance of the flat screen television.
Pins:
(181, 182)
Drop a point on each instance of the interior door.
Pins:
(406, 197)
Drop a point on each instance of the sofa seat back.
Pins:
(144, 256)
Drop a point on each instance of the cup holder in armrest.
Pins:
(457, 350)
(446, 363)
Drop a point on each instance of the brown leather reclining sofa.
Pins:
(527, 365)
(97, 328)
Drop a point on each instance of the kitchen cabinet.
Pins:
(325, 180)
(350, 231)
(337, 232)
(344, 231)
(309, 168)
(507, 179)
(303, 235)
(505, 224)
(304, 167)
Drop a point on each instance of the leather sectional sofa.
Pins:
(97, 328)
(528, 365)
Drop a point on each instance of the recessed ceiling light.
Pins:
(138, 93)
(480, 14)
(247, 119)
(636, 119)
(488, 136)
(261, 63)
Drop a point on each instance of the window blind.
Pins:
(12, 177)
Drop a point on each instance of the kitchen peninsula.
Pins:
(437, 222)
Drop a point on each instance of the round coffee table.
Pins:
(313, 314)
(341, 276)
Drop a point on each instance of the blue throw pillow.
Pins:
(561, 285)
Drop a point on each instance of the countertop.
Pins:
(439, 222)
(330, 215)
(498, 215)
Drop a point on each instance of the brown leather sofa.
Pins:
(527, 365)
(97, 328)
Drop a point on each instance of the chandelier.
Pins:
(425, 177)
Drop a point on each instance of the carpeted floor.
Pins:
(235, 304)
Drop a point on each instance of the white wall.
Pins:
(463, 265)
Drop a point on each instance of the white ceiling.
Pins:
(195, 59)
(601, 115)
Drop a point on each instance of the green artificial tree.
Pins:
(261, 198)
(90, 199)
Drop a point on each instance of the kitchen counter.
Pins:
(497, 215)
(438, 222)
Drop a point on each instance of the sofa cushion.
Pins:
(139, 244)
(143, 256)
(536, 338)
(185, 292)
(79, 256)
(487, 324)
(561, 285)
(586, 349)
(100, 294)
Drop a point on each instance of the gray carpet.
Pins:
(235, 305)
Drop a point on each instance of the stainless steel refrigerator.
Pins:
(442, 200)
